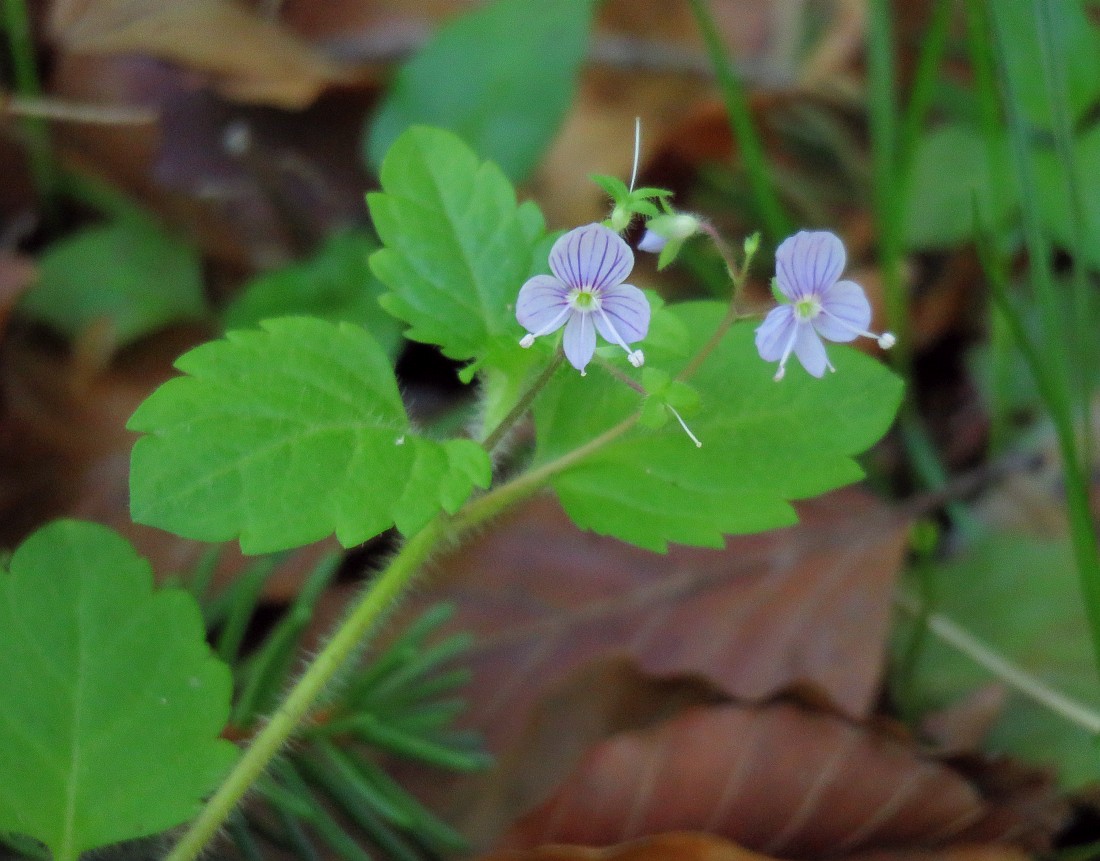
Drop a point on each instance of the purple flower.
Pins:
(586, 294)
(807, 266)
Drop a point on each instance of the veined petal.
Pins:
(579, 342)
(845, 312)
(627, 309)
(810, 351)
(808, 263)
(773, 335)
(541, 300)
(592, 256)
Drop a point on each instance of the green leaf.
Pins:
(129, 273)
(1076, 38)
(113, 702)
(1020, 599)
(764, 443)
(501, 77)
(951, 165)
(457, 247)
(286, 434)
(334, 284)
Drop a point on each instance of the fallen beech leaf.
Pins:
(988, 852)
(250, 58)
(777, 779)
(807, 605)
(675, 846)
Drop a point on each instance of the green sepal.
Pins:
(777, 294)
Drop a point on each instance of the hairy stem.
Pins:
(371, 609)
(523, 404)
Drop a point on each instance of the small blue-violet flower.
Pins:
(818, 305)
(586, 294)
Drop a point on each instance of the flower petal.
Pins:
(579, 342)
(592, 256)
(652, 242)
(845, 312)
(627, 309)
(808, 263)
(773, 335)
(541, 299)
(810, 351)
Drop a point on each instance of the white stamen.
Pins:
(636, 357)
(886, 340)
(683, 424)
(528, 339)
(786, 354)
(637, 150)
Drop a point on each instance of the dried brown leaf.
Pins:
(675, 846)
(777, 779)
(808, 605)
(249, 58)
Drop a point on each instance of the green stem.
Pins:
(887, 195)
(1082, 535)
(1000, 337)
(932, 49)
(17, 23)
(739, 275)
(776, 222)
(523, 404)
(1049, 21)
(375, 602)
(491, 504)
(372, 607)
(1012, 674)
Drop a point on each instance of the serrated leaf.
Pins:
(283, 435)
(334, 284)
(129, 273)
(457, 246)
(1019, 598)
(113, 702)
(502, 77)
(764, 443)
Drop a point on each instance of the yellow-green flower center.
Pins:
(584, 300)
(808, 308)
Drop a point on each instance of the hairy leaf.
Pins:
(283, 435)
(457, 246)
(501, 77)
(113, 703)
(764, 443)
